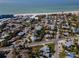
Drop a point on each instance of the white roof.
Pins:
(65, 26)
(45, 49)
(51, 31)
(78, 42)
(65, 33)
(33, 38)
(61, 41)
(73, 29)
(28, 21)
(52, 26)
(47, 35)
(69, 43)
(4, 35)
(38, 27)
(20, 33)
(34, 16)
(1, 39)
(0, 23)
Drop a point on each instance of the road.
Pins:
(56, 45)
(40, 43)
(56, 55)
(5, 49)
(29, 45)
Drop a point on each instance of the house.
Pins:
(48, 36)
(17, 43)
(21, 33)
(33, 38)
(77, 30)
(45, 52)
(1, 23)
(69, 42)
(50, 32)
(14, 39)
(52, 27)
(2, 42)
(6, 16)
(65, 26)
(70, 55)
(34, 17)
(4, 34)
(65, 33)
(73, 29)
(38, 27)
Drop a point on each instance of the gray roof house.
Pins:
(45, 52)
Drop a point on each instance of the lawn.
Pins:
(52, 47)
(62, 54)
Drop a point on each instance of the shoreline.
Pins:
(73, 12)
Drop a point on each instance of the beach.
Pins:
(66, 12)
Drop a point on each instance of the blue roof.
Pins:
(45, 49)
(6, 16)
(69, 43)
(70, 55)
(77, 30)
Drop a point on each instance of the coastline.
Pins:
(73, 12)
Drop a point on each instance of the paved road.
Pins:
(5, 49)
(40, 43)
(29, 45)
(56, 45)
(56, 55)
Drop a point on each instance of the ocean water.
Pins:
(37, 6)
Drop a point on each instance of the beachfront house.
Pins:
(6, 16)
(1, 23)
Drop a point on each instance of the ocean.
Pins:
(37, 6)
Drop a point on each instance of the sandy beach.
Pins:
(73, 12)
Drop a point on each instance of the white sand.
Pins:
(73, 12)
